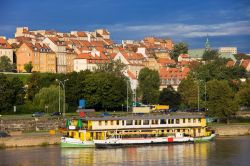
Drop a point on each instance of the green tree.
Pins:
(5, 64)
(188, 90)
(169, 97)
(75, 88)
(149, 83)
(18, 91)
(240, 56)
(210, 55)
(28, 67)
(48, 97)
(6, 94)
(34, 85)
(221, 103)
(104, 91)
(243, 95)
(179, 48)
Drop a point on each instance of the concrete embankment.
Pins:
(31, 139)
(31, 124)
(231, 130)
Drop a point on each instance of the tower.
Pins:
(207, 45)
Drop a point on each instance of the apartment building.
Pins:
(6, 49)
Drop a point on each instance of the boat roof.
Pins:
(141, 117)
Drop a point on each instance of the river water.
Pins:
(224, 151)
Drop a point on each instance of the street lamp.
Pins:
(63, 85)
(127, 95)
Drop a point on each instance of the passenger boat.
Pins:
(109, 131)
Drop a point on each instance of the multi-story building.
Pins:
(6, 49)
(41, 56)
(172, 76)
(232, 50)
(59, 47)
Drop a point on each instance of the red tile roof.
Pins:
(131, 75)
(4, 44)
(230, 63)
(245, 63)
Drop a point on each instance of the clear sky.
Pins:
(227, 22)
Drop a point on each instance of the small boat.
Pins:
(76, 143)
(204, 139)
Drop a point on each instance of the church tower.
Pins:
(207, 44)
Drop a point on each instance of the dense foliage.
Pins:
(5, 64)
(179, 48)
(168, 96)
(149, 83)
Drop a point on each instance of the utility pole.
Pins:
(63, 85)
(127, 95)
(198, 96)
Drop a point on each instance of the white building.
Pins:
(6, 49)
(232, 50)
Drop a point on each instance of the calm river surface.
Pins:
(224, 151)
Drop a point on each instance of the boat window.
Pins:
(145, 122)
(163, 121)
(154, 121)
(169, 121)
(189, 120)
(117, 122)
(199, 120)
(123, 122)
(129, 122)
(184, 120)
(100, 123)
(112, 122)
(177, 121)
(106, 122)
(137, 122)
(172, 121)
(178, 130)
(194, 120)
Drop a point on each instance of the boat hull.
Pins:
(136, 142)
(205, 139)
(75, 143)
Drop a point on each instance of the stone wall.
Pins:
(31, 124)
(232, 130)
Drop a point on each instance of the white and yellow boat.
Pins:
(136, 130)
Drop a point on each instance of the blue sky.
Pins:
(227, 22)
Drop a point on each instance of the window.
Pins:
(163, 121)
(117, 122)
(100, 123)
(154, 121)
(106, 122)
(199, 120)
(129, 122)
(194, 120)
(112, 122)
(172, 121)
(145, 122)
(199, 130)
(184, 120)
(177, 121)
(189, 120)
(123, 122)
(169, 121)
(178, 130)
(137, 122)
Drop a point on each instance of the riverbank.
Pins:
(231, 129)
(30, 139)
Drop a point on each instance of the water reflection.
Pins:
(178, 154)
(229, 151)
